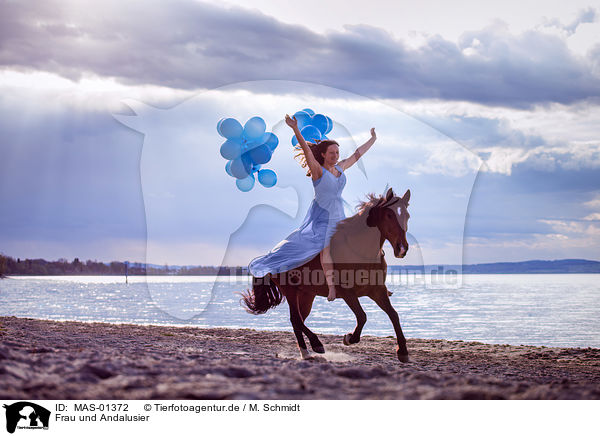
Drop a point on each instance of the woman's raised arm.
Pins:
(349, 161)
(313, 165)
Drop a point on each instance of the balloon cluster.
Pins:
(312, 126)
(247, 149)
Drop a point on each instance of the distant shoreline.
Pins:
(41, 267)
(248, 275)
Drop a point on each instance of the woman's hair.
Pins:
(317, 148)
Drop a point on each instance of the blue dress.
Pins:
(308, 240)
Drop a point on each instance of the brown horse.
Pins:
(359, 270)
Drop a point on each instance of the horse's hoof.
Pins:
(319, 349)
(347, 338)
(403, 358)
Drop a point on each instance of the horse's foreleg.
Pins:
(361, 319)
(383, 301)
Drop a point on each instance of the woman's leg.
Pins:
(327, 264)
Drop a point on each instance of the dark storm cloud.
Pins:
(189, 45)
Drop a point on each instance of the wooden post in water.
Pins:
(126, 271)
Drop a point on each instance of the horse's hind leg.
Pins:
(305, 301)
(383, 300)
(293, 299)
(297, 323)
(361, 319)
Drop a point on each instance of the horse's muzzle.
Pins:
(400, 250)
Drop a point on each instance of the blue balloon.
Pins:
(247, 160)
(241, 167)
(231, 149)
(250, 144)
(329, 124)
(245, 184)
(303, 119)
(228, 168)
(247, 149)
(267, 178)
(307, 118)
(320, 122)
(260, 155)
(272, 142)
(254, 128)
(264, 138)
(311, 133)
(229, 128)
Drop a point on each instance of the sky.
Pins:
(487, 111)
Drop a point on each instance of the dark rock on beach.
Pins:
(75, 360)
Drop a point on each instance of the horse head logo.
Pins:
(196, 216)
(26, 414)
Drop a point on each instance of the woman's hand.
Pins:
(291, 121)
(360, 151)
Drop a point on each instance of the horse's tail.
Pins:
(263, 296)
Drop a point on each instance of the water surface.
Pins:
(533, 309)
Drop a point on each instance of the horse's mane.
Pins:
(372, 200)
(362, 207)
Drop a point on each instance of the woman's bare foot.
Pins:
(331, 295)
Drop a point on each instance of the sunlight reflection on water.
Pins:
(534, 309)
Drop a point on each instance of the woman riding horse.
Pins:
(354, 251)
(326, 210)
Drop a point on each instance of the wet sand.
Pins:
(75, 360)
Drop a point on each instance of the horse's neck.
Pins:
(358, 243)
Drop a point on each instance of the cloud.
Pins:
(588, 15)
(573, 227)
(501, 160)
(594, 203)
(516, 247)
(516, 224)
(544, 139)
(190, 45)
(548, 159)
(445, 158)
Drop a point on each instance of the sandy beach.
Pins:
(74, 360)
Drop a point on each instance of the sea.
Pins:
(552, 310)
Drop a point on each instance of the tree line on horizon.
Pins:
(11, 266)
(41, 267)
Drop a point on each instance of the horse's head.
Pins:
(390, 215)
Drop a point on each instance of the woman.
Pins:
(325, 211)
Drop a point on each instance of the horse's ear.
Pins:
(389, 195)
(372, 217)
(406, 197)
